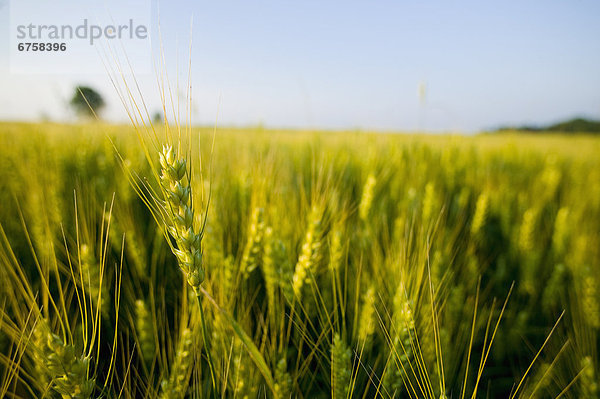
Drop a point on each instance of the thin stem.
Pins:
(207, 346)
(253, 351)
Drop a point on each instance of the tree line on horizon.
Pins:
(575, 125)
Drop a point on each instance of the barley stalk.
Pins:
(66, 371)
(481, 213)
(145, 331)
(178, 207)
(310, 254)
(367, 315)
(176, 385)
(181, 216)
(341, 369)
(366, 200)
(254, 245)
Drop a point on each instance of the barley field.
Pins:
(174, 262)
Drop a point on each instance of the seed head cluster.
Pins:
(180, 215)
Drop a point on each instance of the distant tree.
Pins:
(578, 125)
(157, 118)
(87, 102)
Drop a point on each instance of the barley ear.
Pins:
(180, 216)
(341, 369)
(145, 331)
(175, 386)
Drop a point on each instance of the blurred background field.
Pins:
(341, 243)
(355, 261)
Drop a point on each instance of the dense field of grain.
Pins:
(297, 264)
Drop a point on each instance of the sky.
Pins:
(460, 66)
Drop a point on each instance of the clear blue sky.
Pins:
(351, 64)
